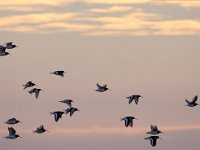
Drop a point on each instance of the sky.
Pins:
(146, 47)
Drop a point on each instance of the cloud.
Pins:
(112, 9)
(34, 2)
(117, 1)
(181, 3)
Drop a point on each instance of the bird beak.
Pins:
(136, 119)
(47, 131)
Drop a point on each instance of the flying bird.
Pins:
(29, 84)
(12, 121)
(12, 134)
(57, 115)
(128, 121)
(36, 91)
(3, 51)
(59, 73)
(67, 101)
(71, 110)
(102, 88)
(193, 102)
(9, 45)
(40, 130)
(153, 140)
(154, 130)
(134, 97)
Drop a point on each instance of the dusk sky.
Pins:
(146, 47)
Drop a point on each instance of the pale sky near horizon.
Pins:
(147, 47)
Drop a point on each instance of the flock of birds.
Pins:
(128, 120)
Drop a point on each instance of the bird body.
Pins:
(134, 97)
(153, 140)
(128, 121)
(12, 121)
(102, 88)
(29, 84)
(193, 102)
(67, 101)
(57, 115)
(59, 73)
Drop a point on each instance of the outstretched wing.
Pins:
(99, 86)
(194, 99)
(2, 49)
(11, 131)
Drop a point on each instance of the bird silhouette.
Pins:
(57, 115)
(193, 102)
(134, 97)
(12, 134)
(154, 130)
(40, 130)
(153, 140)
(102, 88)
(128, 121)
(29, 84)
(36, 91)
(12, 121)
(71, 110)
(59, 73)
(67, 101)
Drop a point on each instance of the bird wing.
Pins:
(11, 131)
(41, 127)
(194, 99)
(153, 141)
(2, 49)
(130, 100)
(136, 100)
(56, 117)
(8, 44)
(71, 113)
(126, 122)
(187, 101)
(99, 86)
(155, 128)
(152, 127)
(37, 93)
(105, 86)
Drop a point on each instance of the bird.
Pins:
(12, 134)
(12, 121)
(36, 91)
(134, 97)
(128, 121)
(57, 115)
(154, 130)
(3, 51)
(67, 101)
(9, 45)
(29, 84)
(59, 73)
(40, 130)
(71, 110)
(153, 140)
(102, 88)
(193, 102)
